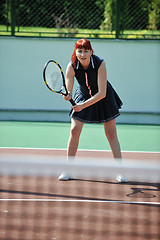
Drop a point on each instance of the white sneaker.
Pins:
(121, 179)
(64, 177)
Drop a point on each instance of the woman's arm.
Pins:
(102, 87)
(69, 80)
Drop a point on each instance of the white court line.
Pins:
(63, 149)
(77, 200)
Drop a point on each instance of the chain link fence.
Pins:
(120, 19)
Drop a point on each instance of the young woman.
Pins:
(96, 100)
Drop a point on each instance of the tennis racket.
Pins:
(54, 79)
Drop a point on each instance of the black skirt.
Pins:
(102, 111)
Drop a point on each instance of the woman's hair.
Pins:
(82, 43)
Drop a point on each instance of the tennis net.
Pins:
(34, 204)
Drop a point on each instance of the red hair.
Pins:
(82, 43)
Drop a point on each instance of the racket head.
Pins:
(54, 78)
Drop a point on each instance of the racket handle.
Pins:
(72, 102)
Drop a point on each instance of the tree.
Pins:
(108, 22)
(154, 15)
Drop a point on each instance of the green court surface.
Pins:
(55, 135)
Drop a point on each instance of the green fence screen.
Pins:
(120, 19)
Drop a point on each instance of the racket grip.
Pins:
(72, 102)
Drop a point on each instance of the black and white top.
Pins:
(102, 111)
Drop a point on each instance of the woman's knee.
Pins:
(76, 128)
(111, 134)
(110, 130)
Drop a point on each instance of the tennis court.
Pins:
(36, 205)
(34, 122)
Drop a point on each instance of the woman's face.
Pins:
(83, 55)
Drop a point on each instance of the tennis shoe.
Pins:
(64, 177)
(121, 179)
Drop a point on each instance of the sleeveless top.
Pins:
(102, 111)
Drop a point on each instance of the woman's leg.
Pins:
(76, 128)
(111, 134)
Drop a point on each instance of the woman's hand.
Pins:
(68, 97)
(78, 107)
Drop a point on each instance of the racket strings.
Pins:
(55, 81)
(54, 77)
